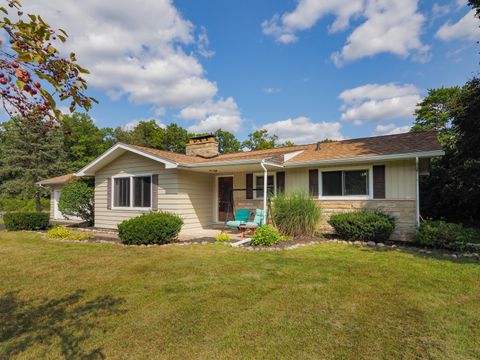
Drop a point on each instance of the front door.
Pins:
(225, 198)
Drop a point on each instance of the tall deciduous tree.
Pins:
(35, 152)
(227, 142)
(434, 112)
(260, 140)
(452, 191)
(83, 140)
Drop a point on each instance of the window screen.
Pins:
(259, 185)
(345, 183)
(142, 191)
(332, 183)
(121, 192)
(355, 182)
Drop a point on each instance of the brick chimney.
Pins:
(204, 146)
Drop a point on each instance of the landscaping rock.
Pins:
(381, 244)
(371, 243)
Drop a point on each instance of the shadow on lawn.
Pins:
(67, 321)
(432, 254)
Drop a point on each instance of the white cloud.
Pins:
(212, 115)
(465, 28)
(271, 90)
(391, 129)
(303, 130)
(379, 102)
(390, 26)
(133, 124)
(144, 50)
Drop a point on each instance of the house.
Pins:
(204, 186)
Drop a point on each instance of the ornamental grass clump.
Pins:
(295, 214)
(153, 228)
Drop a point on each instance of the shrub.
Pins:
(295, 214)
(266, 235)
(223, 237)
(58, 232)
(26, 220)
(366, 225)
(19, 204)
(440, 234)
(76, 199)
(153, 228)
(62, 233)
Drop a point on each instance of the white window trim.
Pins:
(347, 197)
(131, 207)
(255, 175)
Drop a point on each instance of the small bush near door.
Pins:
(364, 225)
(152, 228)
(295, 214)
(266, 235)
(15, 221)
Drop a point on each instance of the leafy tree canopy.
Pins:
(434, 112)
(260, 140)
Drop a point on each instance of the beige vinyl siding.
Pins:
(400, 180)
(194, 201)
(296, 180)
(186, 194)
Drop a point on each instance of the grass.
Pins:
(327, 301)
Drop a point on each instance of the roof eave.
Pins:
(86, 171)
(413, 155)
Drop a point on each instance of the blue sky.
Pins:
(306, 69)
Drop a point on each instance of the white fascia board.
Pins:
(291, 155)
(85, 171)
(221, 163)
(422, 154)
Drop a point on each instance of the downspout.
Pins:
(417, 195)
(265, 190)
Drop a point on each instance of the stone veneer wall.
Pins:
(402, 210)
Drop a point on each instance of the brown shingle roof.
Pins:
(355, 148)
(57, 180)
(239, 156)
(371, 146)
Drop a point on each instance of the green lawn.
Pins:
(211, 301)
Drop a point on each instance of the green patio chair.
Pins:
(257, 220)
(241, 218)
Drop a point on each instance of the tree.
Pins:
(227, 142)
(434, 112)
(35, 152)
(287, 143)
(83, 140)
(175, 138)
(452, 191)
(31, 58)
(260, 140)
(77, 199)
